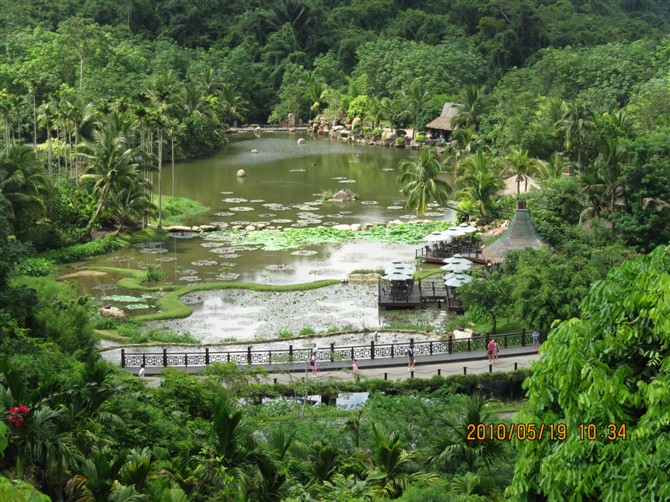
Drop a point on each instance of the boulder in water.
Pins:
(343, 195)
(241, 173)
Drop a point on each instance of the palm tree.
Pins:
(475, 104)
(595, 191)
(23, 182)
(520, 164)
(375, 111)
(8, 102)
(112, 162)
(98, 475)
(163, 100)
(413, 100)
(553, 168)
(233, 447)
(578, 126)
(390, 466)
(420, 182)
(480, 181)
(453, 448)
(612, 157)
(316, 92)
(234, 105)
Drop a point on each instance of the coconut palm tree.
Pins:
(23, 182)
(475, 104)
(420, 182)
(480, 181)
(414, 99)
(520, 164)
(578, 126)
(553, 168)
(612, 157)
(8, 102)
(234, 105)
(112, 163)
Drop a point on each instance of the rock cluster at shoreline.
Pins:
(353, 227)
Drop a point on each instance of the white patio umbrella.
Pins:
(398, 276)
(436, 237)
(456, 257)
(453, 232)
(466, 228)
(457, 266)
(457, 279)
(403, 267)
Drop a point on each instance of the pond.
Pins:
(283, 186)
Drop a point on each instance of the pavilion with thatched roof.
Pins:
(446, 123)
(520, 235)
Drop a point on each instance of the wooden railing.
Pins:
(334, 353)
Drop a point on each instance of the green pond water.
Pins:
(283, 187)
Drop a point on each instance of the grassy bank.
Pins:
(177, 210)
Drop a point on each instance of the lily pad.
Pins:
(227, 276)
(279, 268)
(137, 306)
(240, 209)
(204, 263)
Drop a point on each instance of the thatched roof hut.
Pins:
(445, 122)
(521, 234)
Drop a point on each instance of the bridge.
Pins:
(335, 358)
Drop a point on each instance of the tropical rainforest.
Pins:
(98, 97)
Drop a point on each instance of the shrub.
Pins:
(80, 252)
(155, 274)
(35, 267)
(420, 138)
(284, 333)
(100, 322)
(400, 141)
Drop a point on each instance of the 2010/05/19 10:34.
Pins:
(538, 432)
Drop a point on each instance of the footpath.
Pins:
(426, 366)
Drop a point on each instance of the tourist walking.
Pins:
(410, 358)
(354, 368)
(313, 362)
(141, 372)
(496, 350)
(536, 340)
(490, 350)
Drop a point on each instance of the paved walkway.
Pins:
(426, 366)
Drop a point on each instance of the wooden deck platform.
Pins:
(437, 255)
(415, 294)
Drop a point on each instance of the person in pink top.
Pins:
(490, 350)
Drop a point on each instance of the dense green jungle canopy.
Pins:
(97, 96)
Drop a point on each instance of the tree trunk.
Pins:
(172, 158)
(160, 178)
(34, 122)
